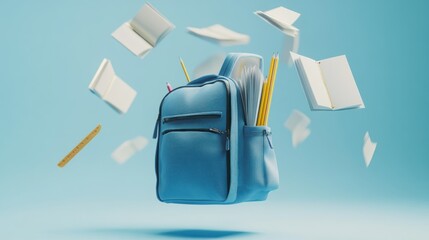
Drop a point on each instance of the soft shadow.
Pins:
(172, 233)
(202, 233)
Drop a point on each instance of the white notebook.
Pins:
(128, 148)
(329, 84)
(220, 34)
(144, 31)
(110, 88)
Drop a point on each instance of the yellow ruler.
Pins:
(80, 146)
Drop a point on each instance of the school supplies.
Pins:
(220, 34)
(297, 123)
(144, 31)
(184, 70)
(283, 19)
(128, 148)
(169, 87)
(368, 149)
(111, 89)
(329, 83)
(267, 92)
(80, 146)
(206, 152)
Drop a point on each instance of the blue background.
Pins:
(50, 51)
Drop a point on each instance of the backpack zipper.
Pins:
(189, 116)
(210, 130)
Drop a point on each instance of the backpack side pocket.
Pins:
(259, 165)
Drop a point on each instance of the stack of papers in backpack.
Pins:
(144, 31)
(113, 90)
(250, 83)
(220, 34)
(329, 83)
(283, 19)
(297, 124)
(128, 148)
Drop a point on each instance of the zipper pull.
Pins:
(227, 143)
(155, 130)
(267, 135)
(215, 130)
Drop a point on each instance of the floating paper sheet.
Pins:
(368, 149)
(220, 34)
(128, 148)
(297, 124)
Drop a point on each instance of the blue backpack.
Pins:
(206, 154)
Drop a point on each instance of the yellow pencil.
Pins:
(271, 90)
(80, 146)
(261, 104)
(184, 70)
(264, 97)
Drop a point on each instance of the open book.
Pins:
(111, 88)
(283, 19)
(220, 34)
(329, 83)
(144, 31)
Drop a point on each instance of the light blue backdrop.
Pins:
(50, 51)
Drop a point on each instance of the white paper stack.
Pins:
(128, 148)
(368, 149)
(329, 83)
(144, 31)
(283, 19)
(220, 34)
(211, 65)
(297, 124)
(111, 88)
(250, 83)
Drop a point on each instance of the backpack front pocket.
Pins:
(193, 166)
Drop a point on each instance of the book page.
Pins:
(131, 40)
(151, 25)
(340, 83)
(280, 17)
(297, 123)
(102, 79)
(220, 34)
(120, 95)
(128, 148)
(368, 149)
(312, 81)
